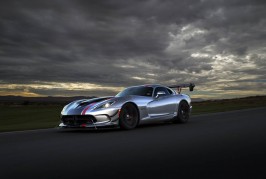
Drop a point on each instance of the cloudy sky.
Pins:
(98, 47)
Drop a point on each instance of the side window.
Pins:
(148, 91)
(161, 89)
(170, 91)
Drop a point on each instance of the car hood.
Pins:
(80, 107)
(77, 107)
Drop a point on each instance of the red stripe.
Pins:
(83, 125)
(119, 111)
(88, 107)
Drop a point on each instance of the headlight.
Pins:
(105, 105)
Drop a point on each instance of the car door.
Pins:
(163, 105)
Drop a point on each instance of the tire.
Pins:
(183, 112)
(129, 117)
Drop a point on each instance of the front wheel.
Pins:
(183, 112)
(129, 117)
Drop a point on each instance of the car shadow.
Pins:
(117, 129)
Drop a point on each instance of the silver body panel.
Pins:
(150, 108)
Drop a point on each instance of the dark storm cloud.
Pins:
(121, 43)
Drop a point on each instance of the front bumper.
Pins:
(94, 125)
(94, 119)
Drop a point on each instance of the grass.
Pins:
(25, 117)
(228, 105)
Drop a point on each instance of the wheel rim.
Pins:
(130, 116)
(184, 111)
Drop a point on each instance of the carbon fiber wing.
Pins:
(180, 86)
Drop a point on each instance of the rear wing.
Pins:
(180, 86)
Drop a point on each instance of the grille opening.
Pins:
(76, 120)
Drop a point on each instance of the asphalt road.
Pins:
(222, 145)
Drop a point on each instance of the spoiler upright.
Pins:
(180, 86)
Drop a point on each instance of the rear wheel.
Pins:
(183, 112)
(128, 117)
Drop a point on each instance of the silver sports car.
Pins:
(131, 107)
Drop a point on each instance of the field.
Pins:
(24, 117)
(37, 116)
(228, 105)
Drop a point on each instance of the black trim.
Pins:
(190, 86)
(76, 120)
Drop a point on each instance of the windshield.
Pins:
(139, 91)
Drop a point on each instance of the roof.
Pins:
(153, 85)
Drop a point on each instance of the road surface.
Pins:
(221, 145)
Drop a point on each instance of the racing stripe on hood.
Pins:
(90, 101)
(93, 103)
(88, 107)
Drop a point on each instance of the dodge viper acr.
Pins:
(131, 107)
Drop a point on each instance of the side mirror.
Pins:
(160, 93)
